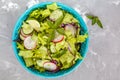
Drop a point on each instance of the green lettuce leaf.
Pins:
(52, 48)
(81, 38)
(66, 60)
(41, 40)
(52, 6)
(20, 46)
(61, 45)
(41, 69)
(35, 14)
(59, 54)
(77, 57)
(35, 37)
(44, 26)
(28, 62)
(71, 43)
(68, 33)
(26, 53)
(69, 19)
(45, 13)
(41, 53)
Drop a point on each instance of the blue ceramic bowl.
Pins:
(83, 50)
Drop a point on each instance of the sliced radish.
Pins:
(50, 66)
(58, 68)
(54, 61)
(34, 24)
(22, 37)
(29, 43)
(40, 63)
(71, 28)
(58, 38)
(63, 25)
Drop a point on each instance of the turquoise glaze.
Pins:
(83, 50)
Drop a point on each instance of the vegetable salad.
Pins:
(50, 39)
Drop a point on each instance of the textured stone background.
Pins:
(103, 59)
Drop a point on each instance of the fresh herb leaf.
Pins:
(99, 23)
(93, 21)
(90, 17)
(51, 36)
(58, 22)
(61, 31)
(57, 55)
(54, 27)
(49, 23)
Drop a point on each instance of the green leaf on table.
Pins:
(93, 21)
(90, 16)
(99, 23)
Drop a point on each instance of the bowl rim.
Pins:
(15, 34)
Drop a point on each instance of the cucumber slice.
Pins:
(56, 14)
(34, 24)
(27, 29)
(24, 35)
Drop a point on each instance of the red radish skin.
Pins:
(32, 48)
(22, 37)
(58, 39)
(50, 66)
(29, 43)
(63, 25)
(54, 61)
